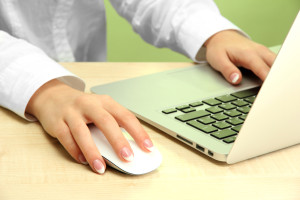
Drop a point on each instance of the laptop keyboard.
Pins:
(221, 117)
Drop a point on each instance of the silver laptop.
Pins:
(197, 106)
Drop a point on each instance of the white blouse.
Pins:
(34, 34)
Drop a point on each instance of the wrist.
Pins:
(220, 36)
(45, 93)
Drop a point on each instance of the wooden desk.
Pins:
(35, 166)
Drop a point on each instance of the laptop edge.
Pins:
(272, 121)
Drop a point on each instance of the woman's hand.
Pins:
(65, 112)
(227, 50)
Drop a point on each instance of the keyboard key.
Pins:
(223, 134)
(202, 127)
(226, 98)
(195, 104)
(192, 115)
(240, 103)
(214, 109)
(212, 102)
(182, 107)
(221, 125)
(237, 128)
(243, 117)
(206, 120)
(246, 93)
(235, 121)
(187, 110)
(232, 113)
(227, 106)
(230, 139)
(250, 99)
(219, 116)
(244, 109)
(168, 111)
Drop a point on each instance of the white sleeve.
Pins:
(181, 25)
(23, 70)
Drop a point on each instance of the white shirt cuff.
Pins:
(26, 75)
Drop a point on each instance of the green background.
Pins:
(265, 21)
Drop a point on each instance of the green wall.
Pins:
(266, 21)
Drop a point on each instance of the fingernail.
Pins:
(127, 154)
(99, 167)
(148, 145)
(234, 77)
(82, 159)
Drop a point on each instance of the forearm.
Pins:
(23, 70)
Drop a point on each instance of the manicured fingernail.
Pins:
(148, 145)
(234, 77)
(127, 154)
(99, 167)
(82, 159)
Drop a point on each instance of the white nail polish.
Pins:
(150, 148)
(82, 159)
(148, 145)
(234, 77)
(126, 154)
(129, 158)
(99, 167)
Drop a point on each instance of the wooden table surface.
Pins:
(35, 166)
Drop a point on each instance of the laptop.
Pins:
(197, 106)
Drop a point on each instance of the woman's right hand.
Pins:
(65, 112)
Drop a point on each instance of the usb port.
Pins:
(210, 153)
(200, 148)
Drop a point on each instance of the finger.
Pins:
(110, 128)
(220, 62)
(256, 64)
(127, 120)
(268, 56)
(83, 138)
(62, 133)
(65, 137)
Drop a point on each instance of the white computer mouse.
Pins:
(143, 162)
